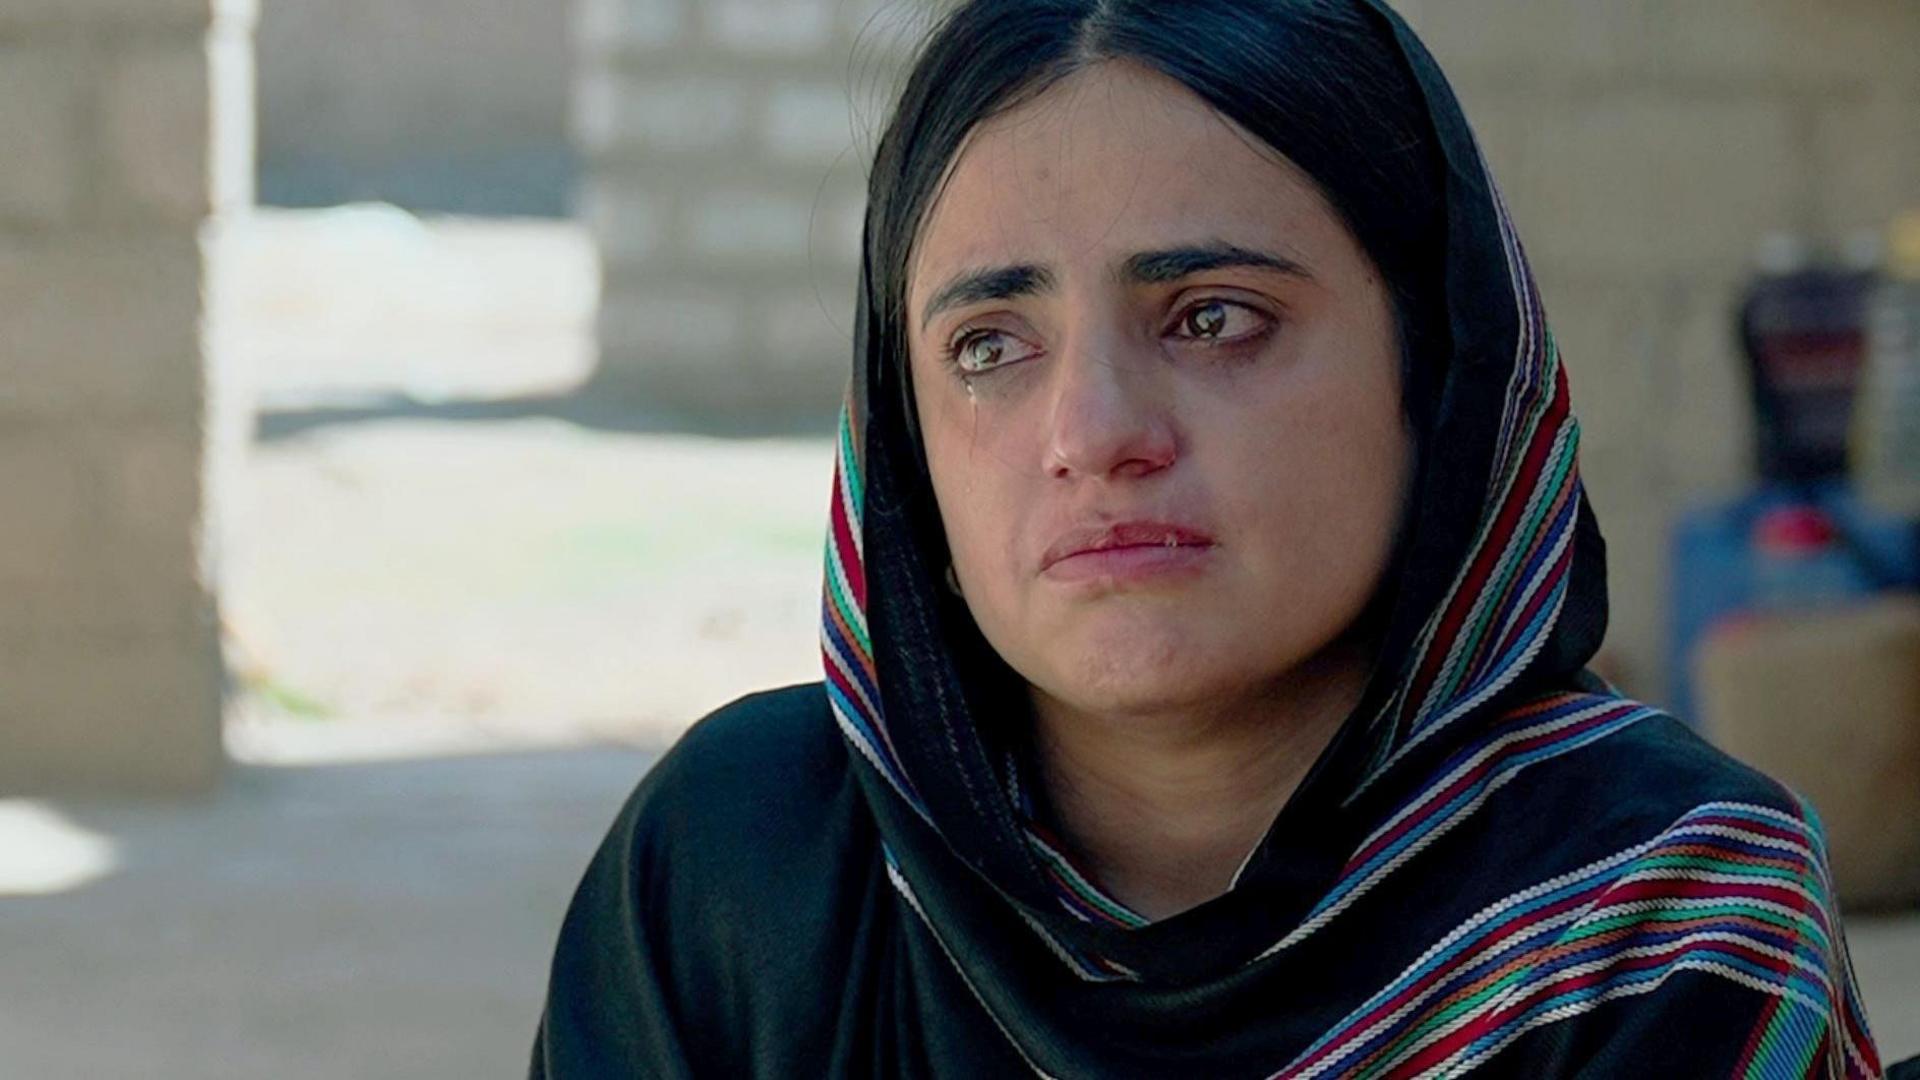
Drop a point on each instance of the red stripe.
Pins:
(1491, 1022)
(1555, 572)
(854, 652)
(1482, 566)
(845, 550)
(1490, 944)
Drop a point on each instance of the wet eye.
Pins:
(1219, 320)
(983, 350)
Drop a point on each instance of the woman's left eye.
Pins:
(1219, 320)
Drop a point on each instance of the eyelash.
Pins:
(967, 335)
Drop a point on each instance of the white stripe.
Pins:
(1681, 827)
(1485, 916)
(1572, 1009)
(905, 890)
(1493, 784)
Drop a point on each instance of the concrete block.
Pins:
(627, 220)
(1610, 334)
(1722, 44)
(1564, 37)
(1706, 422)
(802, 328)
(659, 114)
(168, 13)
(608, 25)
(791, 27)
(156, 118)
(100, 324)
(131, 596)
(1645, 184)
(1866, 155)
(887, 28)
(47, 505)
(750, 225)
(125, 714)
(103, 532)
(40, 124)
(1782, 43)
(810, 123)
(666, 324)
(152, 480)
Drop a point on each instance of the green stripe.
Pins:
(1528, 528)
(850, 462)
(1081, 889)
(1601, 926)
(842, 604)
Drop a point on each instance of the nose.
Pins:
(1111, 415)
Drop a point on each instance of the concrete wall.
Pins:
(1645, 147)
(726, 145)
(126, 128)
(434, 105)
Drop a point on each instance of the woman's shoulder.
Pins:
(719, 895)
(765, 771)
(1623, 769)
(787, 731)
(1673, 764)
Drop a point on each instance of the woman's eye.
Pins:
(1219, 320)
(983, 350)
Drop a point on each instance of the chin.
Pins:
(1142, 674)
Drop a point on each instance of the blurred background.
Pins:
(413, 415)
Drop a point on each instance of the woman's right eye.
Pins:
(983, 350)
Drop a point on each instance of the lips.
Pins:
(1121, 535)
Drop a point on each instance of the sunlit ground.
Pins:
(517, 580)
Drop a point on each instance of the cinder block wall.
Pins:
(455, 106)
(125, 127)
(726, 144)
(1645, 148)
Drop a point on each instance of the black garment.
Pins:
(737, 922)
(1500, 866)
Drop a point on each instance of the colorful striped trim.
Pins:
(1502, 606)
(1730, 889)
(1529, 735)
(853, 686)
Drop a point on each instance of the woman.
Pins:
(1208, 594)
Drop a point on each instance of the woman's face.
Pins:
(1123, 308)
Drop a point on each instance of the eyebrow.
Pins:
(1145, 267)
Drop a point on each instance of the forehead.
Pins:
(1111, 160)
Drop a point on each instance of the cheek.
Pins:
(975, 489)
(1322, 476)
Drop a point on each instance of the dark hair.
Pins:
(1319, 81)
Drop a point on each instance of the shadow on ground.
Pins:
(389, 919)
(583, 408)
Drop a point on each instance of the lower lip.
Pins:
(1136, 563)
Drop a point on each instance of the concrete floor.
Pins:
(367, 920)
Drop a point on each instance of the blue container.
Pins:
(1719, 570)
